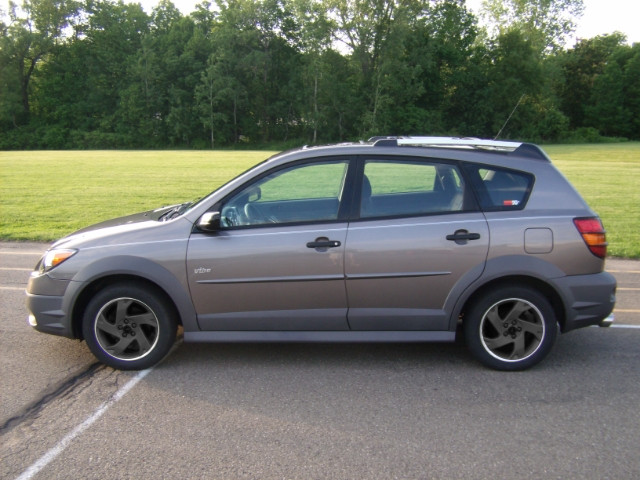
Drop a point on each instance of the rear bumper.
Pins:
(607, 322)
(589, 300)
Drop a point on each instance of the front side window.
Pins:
(302, 193)
(404, 188)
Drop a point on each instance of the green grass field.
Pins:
(45, 195)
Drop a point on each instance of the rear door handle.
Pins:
(323, 242)
(461, 236)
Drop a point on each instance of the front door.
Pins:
(278, 261)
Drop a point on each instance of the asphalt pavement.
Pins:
(317, 411)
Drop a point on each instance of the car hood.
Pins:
(115, 229)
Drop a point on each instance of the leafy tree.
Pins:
(265, 33)
(546, 23)
(580, 66)
(375, 33)
(516, 73)
(313, 37)
(609, 109)
(104, 74)
(142, 100)
(11, 106)
(34, 30)
(631, 88)
(209, 94)
(442, 49)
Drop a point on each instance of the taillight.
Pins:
(593, 234)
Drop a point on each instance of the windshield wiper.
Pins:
(175, 211)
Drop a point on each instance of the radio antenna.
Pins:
(510, 115)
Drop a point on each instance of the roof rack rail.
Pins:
(520, 149)
(446, 142)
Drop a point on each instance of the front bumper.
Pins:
(589, 300)
(47, 315)
(46, 305)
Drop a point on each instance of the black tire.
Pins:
(510, 328)
(129, 327)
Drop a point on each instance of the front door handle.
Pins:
(323, 242)
(461, 236)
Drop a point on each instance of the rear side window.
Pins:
(406, 188)
(500, 189)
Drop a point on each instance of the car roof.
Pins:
(459, 148)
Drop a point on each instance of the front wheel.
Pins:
(510, 328)
(129, 327)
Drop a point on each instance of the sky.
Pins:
(607, 16)
(600, 16)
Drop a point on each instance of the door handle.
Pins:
(323, 242)
(461, 236)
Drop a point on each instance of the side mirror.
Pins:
(209, 222)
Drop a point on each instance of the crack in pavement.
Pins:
(63, 388)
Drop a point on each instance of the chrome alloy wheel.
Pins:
(512, 330)
(126, 329)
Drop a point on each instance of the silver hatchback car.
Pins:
(399, 239)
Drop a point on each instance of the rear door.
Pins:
(419, 236)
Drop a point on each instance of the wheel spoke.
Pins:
(494, 319)
(105, 326)
(519, 349)
(147, 318)
(516, 311)
(498, 342)
(118, 348)
(535, 329)
(144, 342)
(121, 310)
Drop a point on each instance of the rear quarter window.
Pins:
(500, 189)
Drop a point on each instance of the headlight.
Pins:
(53, 258)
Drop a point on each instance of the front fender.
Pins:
(171, 281)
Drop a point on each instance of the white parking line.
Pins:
(12, 288)
(615, 325)
(16, 269)
(12, 252)
(64, 443)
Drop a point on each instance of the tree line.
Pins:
(104, 74)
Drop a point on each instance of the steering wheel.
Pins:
(255, 217)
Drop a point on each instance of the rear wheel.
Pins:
(510, 328)
(129, 327)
